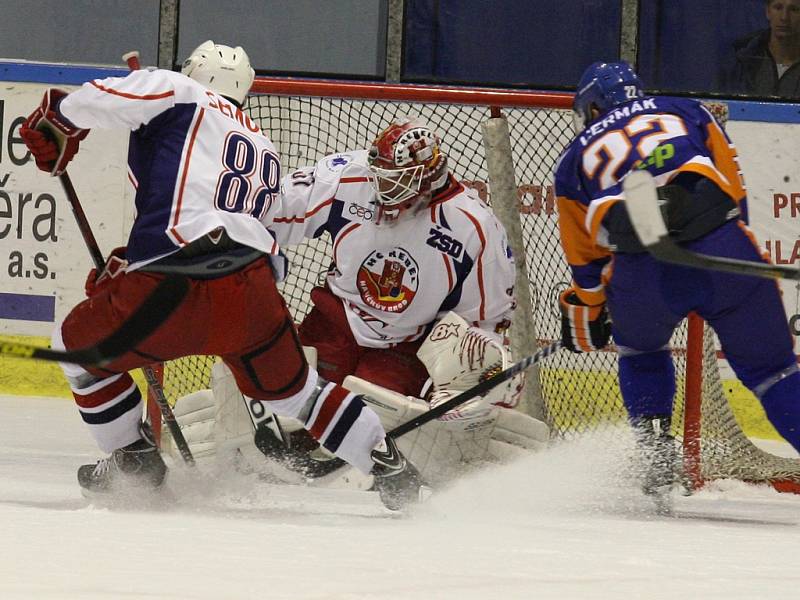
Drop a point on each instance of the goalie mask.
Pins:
(604, 86)
(407, 166)
(223, 69)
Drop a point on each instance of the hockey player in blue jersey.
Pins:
(704, 203)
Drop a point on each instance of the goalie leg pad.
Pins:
(194, 414)
(518, 429)
(424, 447)
(442, 449)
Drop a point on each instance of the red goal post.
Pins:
(307, 119)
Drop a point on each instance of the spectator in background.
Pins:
(768, 61)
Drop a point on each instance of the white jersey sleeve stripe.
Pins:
(130, 96)
(449, 272)
(445, 258)
(302, 218)
(481, 287)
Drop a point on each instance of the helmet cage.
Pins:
(395, 186)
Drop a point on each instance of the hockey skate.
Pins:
(397, 481)
(658, 459)
(136, 466)
(296, 451)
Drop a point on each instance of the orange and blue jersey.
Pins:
(667, 137)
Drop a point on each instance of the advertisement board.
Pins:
(43, 259)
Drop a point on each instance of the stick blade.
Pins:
(641, 201)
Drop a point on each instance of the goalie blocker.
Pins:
(224, 424)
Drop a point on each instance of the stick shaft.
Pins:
(132, 60)
(83, 222)
(473, 392)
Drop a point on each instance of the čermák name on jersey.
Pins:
(623, 112)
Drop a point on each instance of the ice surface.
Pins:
(561, 524)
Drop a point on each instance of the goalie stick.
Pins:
(641, 201)
(476, 390)
(155, 309)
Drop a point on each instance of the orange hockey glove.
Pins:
(584, 328)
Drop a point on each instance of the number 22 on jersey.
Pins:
(604, 157)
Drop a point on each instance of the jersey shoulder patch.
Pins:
(343, 161)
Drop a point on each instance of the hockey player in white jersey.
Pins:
(205, 178)
(411, 247)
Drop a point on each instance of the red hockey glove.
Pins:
(583, 328)
(115, 265)
(50, 137)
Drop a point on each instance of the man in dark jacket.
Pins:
(768, 61)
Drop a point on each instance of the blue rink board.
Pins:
(30, 72)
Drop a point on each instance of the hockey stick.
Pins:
(477, 390)
(83, 222)
(155, 309)
(168, 415)
(132, 60)
(641, 200)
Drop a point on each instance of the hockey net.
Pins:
(307, 120)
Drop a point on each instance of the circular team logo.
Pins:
(388, 280)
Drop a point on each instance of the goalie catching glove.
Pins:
(50, 136)
(584, 327)
(459, 357)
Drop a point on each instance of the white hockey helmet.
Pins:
(222, 69)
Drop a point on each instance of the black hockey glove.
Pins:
(584, 328)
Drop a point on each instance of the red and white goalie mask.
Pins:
(407, 166)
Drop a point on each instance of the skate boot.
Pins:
(658, 455)
(296, 451)
(397, 481)
(137, 465)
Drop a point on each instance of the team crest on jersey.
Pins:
(388, 280)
